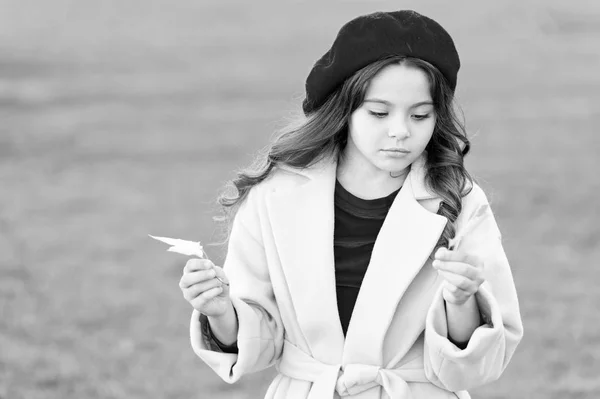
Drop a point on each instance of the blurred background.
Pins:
(120, 118)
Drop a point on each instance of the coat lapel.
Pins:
(302, 219)
(405, 241)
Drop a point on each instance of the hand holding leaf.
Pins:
(203, 284)
(462, 272)
(185, 247)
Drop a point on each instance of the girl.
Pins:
(363, 260)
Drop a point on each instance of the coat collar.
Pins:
(302, 219)
(417, 174)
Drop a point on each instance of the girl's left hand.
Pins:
(463, 274)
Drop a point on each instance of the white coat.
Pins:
(280, 263)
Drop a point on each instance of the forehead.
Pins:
(400, 84)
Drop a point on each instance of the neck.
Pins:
(368, 183)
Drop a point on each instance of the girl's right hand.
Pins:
(203, 290)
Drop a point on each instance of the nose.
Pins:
(399, 132)
(398, 129)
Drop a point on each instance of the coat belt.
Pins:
(346, 380)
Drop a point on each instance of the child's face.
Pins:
(392, 127)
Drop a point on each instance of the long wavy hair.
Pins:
(324, 133)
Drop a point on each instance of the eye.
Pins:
(421, 117)
(378, 114)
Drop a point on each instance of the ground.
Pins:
(123, 118)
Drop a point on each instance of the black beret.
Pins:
(371, 37)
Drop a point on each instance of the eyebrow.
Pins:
(377, 100)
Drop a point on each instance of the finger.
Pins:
(202, 299)
(449, 255)
(195, 290)
(474, 260)
(460, 282)
(196, 264)
(189, 279)
(444, 254)
(221, 274)
(460, 268)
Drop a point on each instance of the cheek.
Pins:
(425, 132)
(360, 129)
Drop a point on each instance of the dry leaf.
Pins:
(184, 247)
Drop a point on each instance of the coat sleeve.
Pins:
(491, 345)
(260, 334)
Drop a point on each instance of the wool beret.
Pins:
(371, 37)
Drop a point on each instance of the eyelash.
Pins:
(381, 115)
(421, 117)
(378, 114)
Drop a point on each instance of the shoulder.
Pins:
(285, 177)
(282, 178)
(255, 206)
(475, 204)
(474, 201)
(475, 196)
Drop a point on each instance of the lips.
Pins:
(396, 150)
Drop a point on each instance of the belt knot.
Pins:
(356, 378)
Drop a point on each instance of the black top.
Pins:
(357, 224)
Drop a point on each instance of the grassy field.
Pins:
(123, 118)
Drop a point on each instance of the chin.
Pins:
(394, 166)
